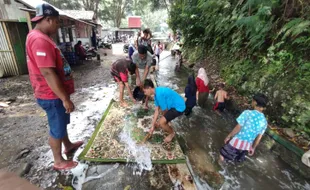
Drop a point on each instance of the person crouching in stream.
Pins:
(248, 132)
(167, 100)
(190, 95)
(119, 71)
(202, 83)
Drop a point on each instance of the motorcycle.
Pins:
(125, 48)
(90, 52)
(107, 44)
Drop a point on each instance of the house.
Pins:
(15, 23)
(83, 33)
(13, 31)
(70, 26)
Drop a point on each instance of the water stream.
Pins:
(140, 154)
(202, 135)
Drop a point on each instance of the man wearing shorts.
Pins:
(170, 102)
(51, 79)
(143, 60)
(119, 71)
(248, 132)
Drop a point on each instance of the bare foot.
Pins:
(124, 104)
(73, 147)
(221, 160)
(169, 137)
(145, 107)
(189, 178)
(65, 165)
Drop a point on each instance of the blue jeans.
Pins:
(57, 117)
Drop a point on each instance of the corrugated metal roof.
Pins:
(34, 3)
(83, 15)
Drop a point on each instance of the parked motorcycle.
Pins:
(103, 44)
(90, 52)
(125, 48)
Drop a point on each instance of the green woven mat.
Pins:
(105, 145)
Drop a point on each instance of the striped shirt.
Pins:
(253, 123)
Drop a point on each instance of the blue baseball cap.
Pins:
(44, 10)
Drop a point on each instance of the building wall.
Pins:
(7, 59)
(83, 30)
(9, 10)
(83, 33)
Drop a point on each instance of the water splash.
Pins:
(79, 175)
(139, 154)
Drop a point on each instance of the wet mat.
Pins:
(105, 144)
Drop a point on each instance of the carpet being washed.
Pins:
(106, 144)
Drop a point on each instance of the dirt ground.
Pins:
(23, 125)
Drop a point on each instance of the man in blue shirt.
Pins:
(169, 101)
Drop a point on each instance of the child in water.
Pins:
(220, 97)
(247, 134)
(190, 95)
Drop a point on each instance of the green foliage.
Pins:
(262, 45)
(65, 4)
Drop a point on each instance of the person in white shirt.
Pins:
(158, 49)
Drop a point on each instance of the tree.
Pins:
(114, 10)
(92, 5)
(65, 4)
(160, 4)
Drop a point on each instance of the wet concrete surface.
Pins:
(202, 135)
(23, 126)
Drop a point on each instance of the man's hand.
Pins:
(69, 106)
(251, 151)
(146, 107)
(227, 139)
(134, 101)
(151, 131)
(138, 82)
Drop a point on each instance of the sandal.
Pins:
(68, 166)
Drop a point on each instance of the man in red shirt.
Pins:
(51, 79)
(120, 70)
(80, 51)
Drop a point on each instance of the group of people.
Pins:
(52, 82)
(242, 140)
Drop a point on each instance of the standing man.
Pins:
(158, 49)
(51, 79)
(143, 60)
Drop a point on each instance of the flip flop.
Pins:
(68, 166)
(76, 145)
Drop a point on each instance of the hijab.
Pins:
(203, 76)
(191, 85)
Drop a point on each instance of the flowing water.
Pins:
(202, 135)
(140, 154)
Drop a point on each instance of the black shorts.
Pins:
(219, 106)
(172, 114)
(231, 153)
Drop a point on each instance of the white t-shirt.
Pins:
(157, 50)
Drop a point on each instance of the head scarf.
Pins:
(191, 84)
(203, 76)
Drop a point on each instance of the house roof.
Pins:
(83, 15)
(33, 3)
